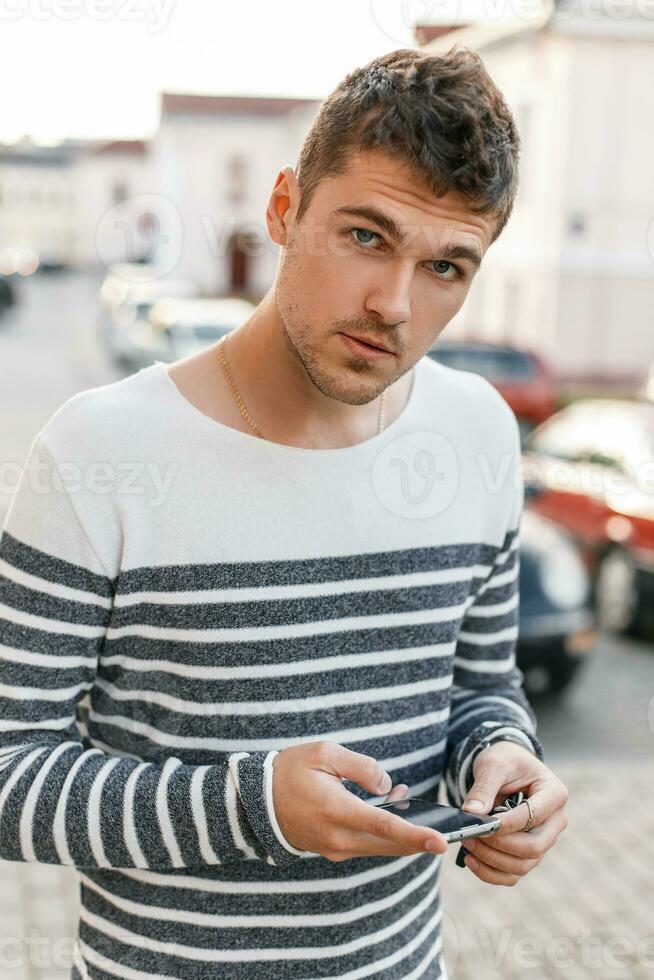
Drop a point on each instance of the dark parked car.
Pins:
(520, 376)
(557, 625)
(595, 460)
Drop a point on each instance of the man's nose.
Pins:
(390, 297)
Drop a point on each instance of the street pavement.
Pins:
(585, 912)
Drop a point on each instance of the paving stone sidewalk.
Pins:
(586, 912)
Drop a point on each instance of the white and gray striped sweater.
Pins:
(180, 600)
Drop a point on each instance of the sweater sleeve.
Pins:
(488, 702)
(62, 800)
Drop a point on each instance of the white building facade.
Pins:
(214, 163)
(77, 204)
(113, 186)
(37, 201)
(572, 274)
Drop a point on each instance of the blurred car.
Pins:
(176, 328)
(557, 626)
(52, 263)
(520, 376)
(595, 460)
(120, 278)
(125, 298)
(18, 259)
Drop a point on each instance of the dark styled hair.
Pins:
(440, 113)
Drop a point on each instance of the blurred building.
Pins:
(572, 275)
(113, 188)
(214, 159)
(192, 199)
(54, 200)
(37, 201)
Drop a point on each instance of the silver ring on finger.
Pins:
(532, 814)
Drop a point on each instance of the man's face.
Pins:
(341, 271)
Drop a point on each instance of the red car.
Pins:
(594, 462)
(520, 376)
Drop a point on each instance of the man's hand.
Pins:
(316, 813)
(499, 770)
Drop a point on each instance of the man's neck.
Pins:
(277, 392)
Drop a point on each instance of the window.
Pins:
(119, 192)
(236, 178)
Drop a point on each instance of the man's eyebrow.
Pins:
(392, 229)
(462, 252)
(383, 221)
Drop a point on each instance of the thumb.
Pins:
(481, 795)
(362, 769)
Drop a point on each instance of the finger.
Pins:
(358, 844)
(490, 875)
(397, 793)
(356, 766)
(369, 819)
(499, 859)
(548, 798)
(530, 845)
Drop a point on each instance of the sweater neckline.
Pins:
(245, 439)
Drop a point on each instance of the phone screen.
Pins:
(444, 819)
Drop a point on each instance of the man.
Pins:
(324, 594)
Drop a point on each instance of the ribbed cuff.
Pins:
(460, 776)
(255, 773)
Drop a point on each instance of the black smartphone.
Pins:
(452, 823)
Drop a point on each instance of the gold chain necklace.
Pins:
(241, 404)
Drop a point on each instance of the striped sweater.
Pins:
(179, 601)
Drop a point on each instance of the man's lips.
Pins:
(370, 343)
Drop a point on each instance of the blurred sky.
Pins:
(94, 68)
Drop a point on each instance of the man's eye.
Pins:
(364, 232)
(441, 262)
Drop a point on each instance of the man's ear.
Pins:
(282, 206)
